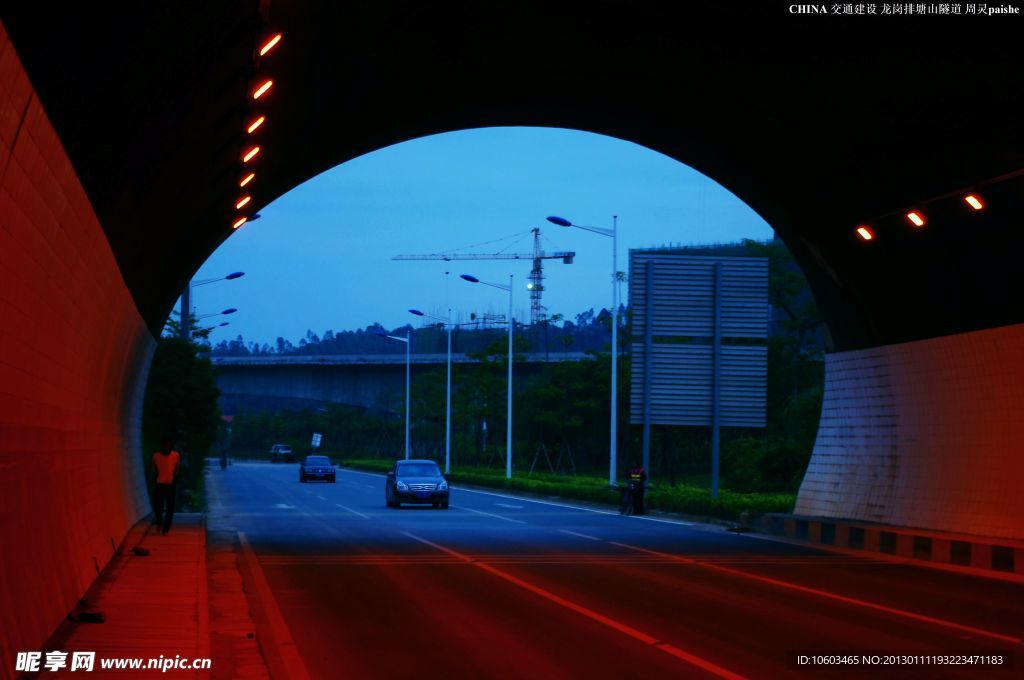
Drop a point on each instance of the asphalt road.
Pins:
(505, 587)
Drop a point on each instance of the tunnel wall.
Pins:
(74, 353)
(924, 434)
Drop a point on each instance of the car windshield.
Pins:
(284, 449)
(419, 470)
(317, 460)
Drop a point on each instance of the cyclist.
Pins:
(637, 487)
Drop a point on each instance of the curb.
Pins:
(919, 545)
(276, 643)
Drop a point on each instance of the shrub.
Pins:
(688, 500)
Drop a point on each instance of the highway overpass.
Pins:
(375, 382)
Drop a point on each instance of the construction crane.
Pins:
(535, 282)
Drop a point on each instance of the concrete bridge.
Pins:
(370, 381)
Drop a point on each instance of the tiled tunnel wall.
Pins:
(73, 357)
(925, 434)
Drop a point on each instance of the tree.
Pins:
(181, 402)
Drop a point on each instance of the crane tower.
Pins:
(535, 281)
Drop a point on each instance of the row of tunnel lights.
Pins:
(253, 125)
(917, 219)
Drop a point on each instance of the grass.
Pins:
(689, 500)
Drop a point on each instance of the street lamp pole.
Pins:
(614, 439)
(448, 395)
(448, 405)
(408, 386)
(614, 424)
(508, 434)
(408, 381)
(511, 327)
(185, 313)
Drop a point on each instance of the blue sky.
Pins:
(320, 257)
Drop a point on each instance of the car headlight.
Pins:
(402, 486)
(443, 486)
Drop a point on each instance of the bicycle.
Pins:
(626, 506)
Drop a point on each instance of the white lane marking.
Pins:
(824, 594)
(369, 486)
(574, 533)
(557, 505)
(531, 500)
(664, 521)
(489, 514)
(321, 498)
(591, 614)
(512, 507)
(282, 506)
(354, 512)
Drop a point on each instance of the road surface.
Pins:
(506, 587)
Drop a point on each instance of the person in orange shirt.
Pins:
(165, 472)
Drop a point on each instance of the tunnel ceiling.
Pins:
(819, 123)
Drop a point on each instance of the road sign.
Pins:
(317, 438)
(702, 360)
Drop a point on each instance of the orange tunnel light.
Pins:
(916, 218)
(250, 154)
(242, 201)
(255, 124)
(974, 201)
(261, 90)
(248, 178)
(239, 222)
(865, 233)
(269, 45)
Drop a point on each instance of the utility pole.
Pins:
(186, 312)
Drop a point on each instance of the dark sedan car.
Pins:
(416, 481)
(317, 467)
(279, 453)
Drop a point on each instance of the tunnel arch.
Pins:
(122, 133)
(792, 114)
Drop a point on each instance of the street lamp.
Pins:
(408, 344)
(613, 233)
(511, 325)
(186, 300)
(225, 312)
(230, 277)
(448, 395)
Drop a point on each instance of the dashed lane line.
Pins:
(618, 626)
(354, 512)
(576, 533)
(489, 514)
(828, 595)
